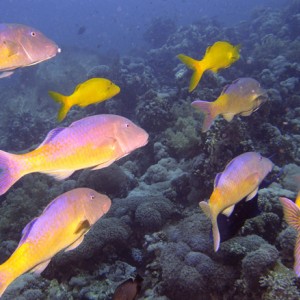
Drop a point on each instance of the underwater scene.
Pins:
(150, 150)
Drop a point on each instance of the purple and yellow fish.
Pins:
(61, 226)
(92, 142)
(241, 178)
(241, 97)
(22, 46)
(291, 212)
(218, 56)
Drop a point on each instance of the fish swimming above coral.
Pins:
(129, 289)
(240, 178)
(92, 91)
(92, 142)
(291, 212)
(61, 226)
(22, 46)
(242, 97)
(220, 55)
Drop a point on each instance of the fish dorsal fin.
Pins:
(77, 87)
(208, 49)
(51, 135)
(228, 211)
(217, 179)
(26, 231)
(40, 267)
(291, 213)
(75, 244)
(252, 194)
(83, 227)
(60, 174)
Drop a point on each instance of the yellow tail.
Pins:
(63, 101)
(5, 279)
(216, 234)
(196, 66)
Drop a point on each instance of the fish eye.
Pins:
(32, 33)
(92, 196)
(126, 125)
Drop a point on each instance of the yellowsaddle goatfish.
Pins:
(95, 141)
(61, 226)
(240, 179)
(22, 46)
(218, 56)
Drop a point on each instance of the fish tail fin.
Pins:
(196, 66)
(64, 104)
(5, 279)
(297, 256)
(291, 213)
(10, 170)
(209, 110)
(216, 234)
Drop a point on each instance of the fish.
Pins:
(220, 55)
(291, 212)
(23, 46)
(240, 178)
(92, 142)
(92, 91)
(81, 30)
(61, 226)
(242, 97)
(129, 289)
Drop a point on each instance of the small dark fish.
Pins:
(129, 289)
(81, 30)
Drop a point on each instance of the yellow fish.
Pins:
(292, 217)
(242, 97)
(92, 91)
(218, 56)
(61, 226)
(240, 179)
(92, 142)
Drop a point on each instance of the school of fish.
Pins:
(98, 141)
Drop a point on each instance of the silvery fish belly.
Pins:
(93, 142)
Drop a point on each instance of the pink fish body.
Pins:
(292, 217)
(241, 178)
(242, 97)
(93, 142)
(61, 226)
(22, 46)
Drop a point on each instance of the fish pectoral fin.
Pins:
(40, 267)
(75, 244)
(11, 48)
(246, 113)
(253, 181)
(103, 165)
(83, 226)
(228, 116)
(60, 174)
(6, 74)
(228, 211)
(205, 208)
(252, 194)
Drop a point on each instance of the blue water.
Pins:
(120, 24)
